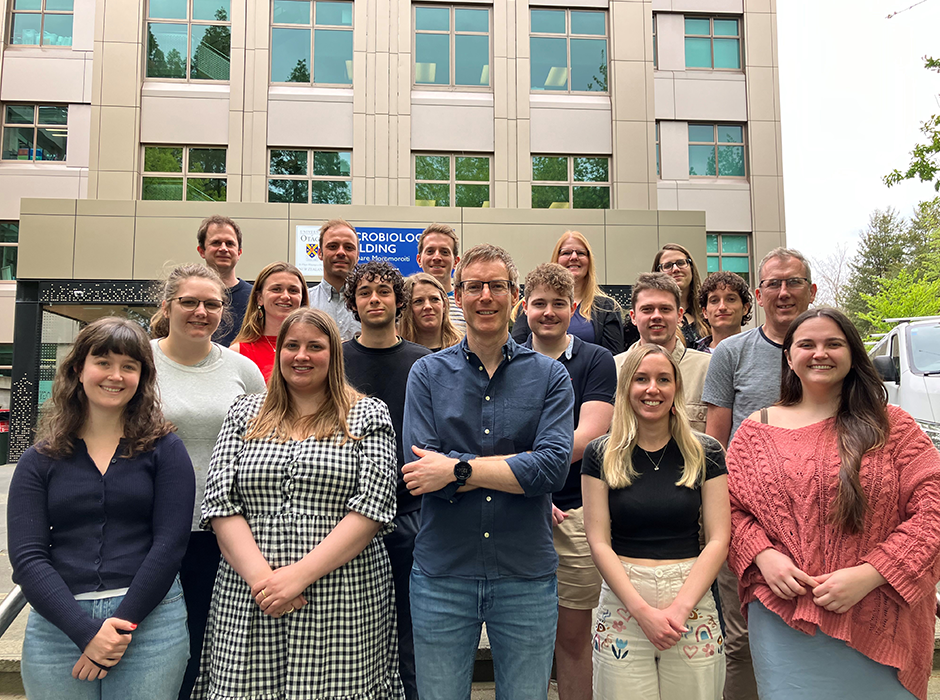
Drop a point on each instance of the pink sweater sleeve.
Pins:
(748, 538)
(910, 556)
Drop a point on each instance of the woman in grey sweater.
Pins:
(198, 381)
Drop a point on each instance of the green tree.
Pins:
(211, 56)
(925, 158)
(300, 73)
(903, 296)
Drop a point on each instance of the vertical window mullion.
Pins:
(452, 49)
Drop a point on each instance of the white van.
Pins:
(908, 360)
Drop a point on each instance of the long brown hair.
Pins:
(618, 469)
(406, 326)
(861, 419)
(160, 321)
(253, 323)
(65, 413)
(690, 303)
(278, 416)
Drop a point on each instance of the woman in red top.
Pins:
(835, 501)
(279, 289)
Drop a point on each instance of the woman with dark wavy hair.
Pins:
(676, 261)
(103, 505)
(835, 499)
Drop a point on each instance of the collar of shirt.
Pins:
(509, 349)
(569, 352)
(329, 290)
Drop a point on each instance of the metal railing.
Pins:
(10, 608)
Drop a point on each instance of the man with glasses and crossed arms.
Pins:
(744, 377)
(491, 425)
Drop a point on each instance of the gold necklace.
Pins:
(661, 456)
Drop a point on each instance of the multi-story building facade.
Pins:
(634, 105)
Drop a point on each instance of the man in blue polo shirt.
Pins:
(549, 306)
(491, 424)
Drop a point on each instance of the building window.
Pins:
(716, 150)
(570, 182)
(176, 173)
(452, 46)
(35, 132)
(451, 180)
(658, 170)
(189, 39)
(310, 177)
(41, 23)
(569, 50)
(713, 42)
(9, 238)
(301, 29)
(731, 252)
(655, 47)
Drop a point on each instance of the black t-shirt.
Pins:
(383, 373)
(239, 295)
(653, 518)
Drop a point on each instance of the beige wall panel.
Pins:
(7, 311)
(31, 181)
(674, 150)
(667, 195)
(372, 81)
(437, 127)
(312, 124)
(79, 135)
(626, 24)
(766, 204)
(381, 148)
(87, 78)
(726, 207)
(630, 82)
(83, 184)
(664, 90)
(46, 207)
(751, 6)
(670, 41)
(721, 98)
(630, 251)
(104, 247)
(162, 243)
(117, 149)
(762, 94)
(403, 98)
(104, 208)
(37, 75)
(384, 25)
(83, 25)
(120, 74)
(501, 69)
(709, 6)
(115, 184)
(360, 77)
(184, 120)
(263, 241)
(762, 148)
(632, 195)
(632, 163)
(47, 246)
(759, 40)
(586, 130)
(123, 21)
(600, 4)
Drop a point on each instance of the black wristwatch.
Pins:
(462, 472)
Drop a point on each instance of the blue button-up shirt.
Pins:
(454, 407)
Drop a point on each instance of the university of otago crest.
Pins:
(312, 250)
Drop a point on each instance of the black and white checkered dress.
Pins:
(343, 643)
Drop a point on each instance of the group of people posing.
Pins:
(291, 493)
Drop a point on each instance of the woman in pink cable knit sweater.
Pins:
(835, 501)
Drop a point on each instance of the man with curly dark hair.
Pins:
(377, 363)
(725, 301)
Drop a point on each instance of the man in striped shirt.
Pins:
(437, 255)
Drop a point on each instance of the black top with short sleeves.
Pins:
(653, 518)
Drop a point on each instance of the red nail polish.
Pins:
(133, 627)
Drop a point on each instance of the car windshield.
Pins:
(925, 348)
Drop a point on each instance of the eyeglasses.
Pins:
(790, 282)
(681, 264)
(212, 306)
(570, 252)
(498, 288)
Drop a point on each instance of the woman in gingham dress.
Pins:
(301, 488)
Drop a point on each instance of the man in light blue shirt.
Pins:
(339, 251)
(491, 423)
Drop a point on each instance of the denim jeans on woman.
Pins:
(151, 668)
(521, 616)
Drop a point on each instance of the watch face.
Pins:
(462, 471)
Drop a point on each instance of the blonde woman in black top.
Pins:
(644, 486)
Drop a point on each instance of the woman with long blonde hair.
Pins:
(301, 489)
(598, 317)
(279, 289)
(644, 486)
(425, 319)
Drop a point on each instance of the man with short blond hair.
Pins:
(437, 255)
(490, 423)
(339, 252)
(219, 243)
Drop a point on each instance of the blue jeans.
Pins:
(521, 616)
(151, 668)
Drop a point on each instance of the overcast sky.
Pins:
(853, 93)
